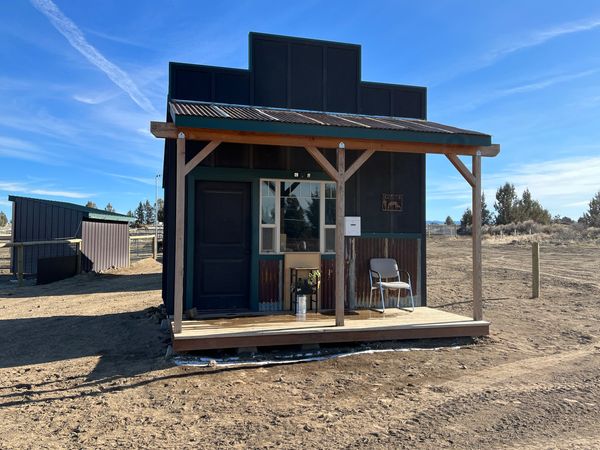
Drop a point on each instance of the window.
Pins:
(268, 216)
(297, 216)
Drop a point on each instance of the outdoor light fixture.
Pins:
(302, 175)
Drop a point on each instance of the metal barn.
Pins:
(105, 235)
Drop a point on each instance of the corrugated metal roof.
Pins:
(292, 116)
(91, 213)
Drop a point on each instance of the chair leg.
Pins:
(412, 299)
(382, 299)
(398, 299)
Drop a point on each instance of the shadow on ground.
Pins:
(127, 343)
(86, 283)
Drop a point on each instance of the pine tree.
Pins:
(592, 217)
(466, 219)
(3, 219)
(90, 204)
(148, 213)
(529, 209)
(161, 210)
(139, 214)
(486, 215)
(449, 221)
(109, 208)
(505, 204)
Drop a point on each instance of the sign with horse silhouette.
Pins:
(392, 202)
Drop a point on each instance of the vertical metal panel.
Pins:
(36, 221)
(105, 245)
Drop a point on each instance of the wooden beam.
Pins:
(476, 234)
(202, 154)
(179, 234)
(464, 171)
(358, 163)
(323, 162)
(169, 131)
(340, 248)
(535, 270)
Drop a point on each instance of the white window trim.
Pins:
(277, 225)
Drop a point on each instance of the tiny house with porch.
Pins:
(296, 169)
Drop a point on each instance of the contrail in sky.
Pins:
(74, 35)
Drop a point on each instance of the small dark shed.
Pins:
(105, 235)
(298, 165)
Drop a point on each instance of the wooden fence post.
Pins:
(20, 264)
(78, 253)
(154, 247)
(535, 269)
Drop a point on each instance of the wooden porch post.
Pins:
(179, 233)
(476, 234)
(340, 250)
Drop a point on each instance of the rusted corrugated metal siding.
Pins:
(104, 245)
(404, 251)
(37, 221)
(268, 272)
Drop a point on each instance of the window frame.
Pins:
(277, 225)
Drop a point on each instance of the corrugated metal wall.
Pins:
(359, 251)
(105, 245)
(38, 221)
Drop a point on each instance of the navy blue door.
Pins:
(222, 246)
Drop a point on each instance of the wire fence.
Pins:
(5, 254)
(441, 229)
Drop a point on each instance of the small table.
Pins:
(312, 297)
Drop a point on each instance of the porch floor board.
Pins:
(316, 328)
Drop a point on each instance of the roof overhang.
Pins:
(171, 131)
(299, 128)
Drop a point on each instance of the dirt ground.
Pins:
(82, 366)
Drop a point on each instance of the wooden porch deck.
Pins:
(360, 326)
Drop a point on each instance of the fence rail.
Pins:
(21, 245)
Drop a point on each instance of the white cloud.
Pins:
(74, 35)
(23, 188)
(539, 37)
(563, 185)
(149, 181)
(531, 86)
(19, 149)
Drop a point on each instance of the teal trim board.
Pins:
(301, 129)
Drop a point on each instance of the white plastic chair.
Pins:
(388, 278)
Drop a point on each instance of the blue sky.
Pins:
(80, 81)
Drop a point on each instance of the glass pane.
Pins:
(329, 190)
(300, 216)
(330, 239)
(268, 239)
(329, 211)
(267, 189)
(268, 210)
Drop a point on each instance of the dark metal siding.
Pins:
(37, 221)
(288, 72)
(104, 245)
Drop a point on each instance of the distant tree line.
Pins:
(509, 208)
(144, 213)
(3, 219)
